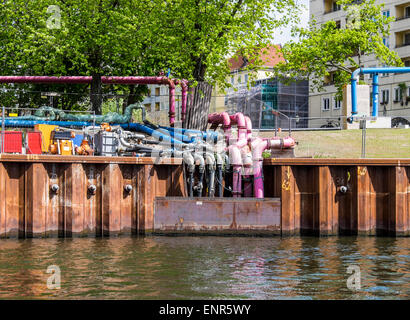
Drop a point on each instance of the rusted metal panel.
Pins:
(126, 201)
(306, 199)
(111, 199)
(14, 200)
(289, 222)
(146, 194)
(398, 204)
(2, 201)
(328, 217)
(36, 200)
(74, 204)
(92, 213)
(343, 204)
(217, 215)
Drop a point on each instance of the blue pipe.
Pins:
(375, 94)
(153, 133)
(32, 123)
(203, 134)
(132, 126)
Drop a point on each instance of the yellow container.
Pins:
(45, 130)
(66, 147)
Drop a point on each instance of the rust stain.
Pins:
(361, 171)
(286, 181)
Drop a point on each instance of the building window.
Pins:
(157, 92)
(407, 39)
(386, 13)
(385, 96)
(239, 79)
(386, 42)
(326, 104)
(157, 106)
(397, 94)
(336, 6)
(407, 12)
(232, 80)
(338, 24)
(148, 107)
(337, 104)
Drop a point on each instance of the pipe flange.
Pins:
(92, 189)
(55, 188)
(128, 188)
(343, 189)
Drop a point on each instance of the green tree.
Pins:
(193, 38)
(328, 48)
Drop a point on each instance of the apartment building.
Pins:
(394, 88)
(157, 101)
(257, 94)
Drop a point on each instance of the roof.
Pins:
(270, 57)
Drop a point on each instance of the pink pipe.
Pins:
(105, 80)
(224, 119)
(248, 128)
(258, 146)
(184, 85)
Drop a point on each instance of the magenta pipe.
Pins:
(236, 181)
(184, 85)
(248, 128)
(105, 80)
(258, 146)
(224, 119)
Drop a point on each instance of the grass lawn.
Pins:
(380, 143)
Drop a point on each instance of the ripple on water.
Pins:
(206, 268)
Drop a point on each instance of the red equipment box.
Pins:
(13, 141)
(34, 143)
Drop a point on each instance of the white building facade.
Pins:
(394, 89)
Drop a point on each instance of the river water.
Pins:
(206, 268)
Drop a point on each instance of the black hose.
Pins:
(200, 181)
(150, 142)
(219, 190)
(211, 181)
(190, 184)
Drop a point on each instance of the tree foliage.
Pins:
(192, 38)
(326, 48)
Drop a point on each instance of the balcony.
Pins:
(331, 6)
(402, 38)
(402, 11)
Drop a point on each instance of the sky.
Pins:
(304, 19)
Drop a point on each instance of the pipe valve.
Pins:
(55, 188)
(343, 189)
(128, 188)
(92, 189)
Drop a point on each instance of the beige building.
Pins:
(239, 77)
(393, 101)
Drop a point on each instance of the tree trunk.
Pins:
(199, 100)
(96, 93)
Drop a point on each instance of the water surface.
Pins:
(206, 268)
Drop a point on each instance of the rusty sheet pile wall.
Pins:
(376, 200)
(103, 196)
(91, 199)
